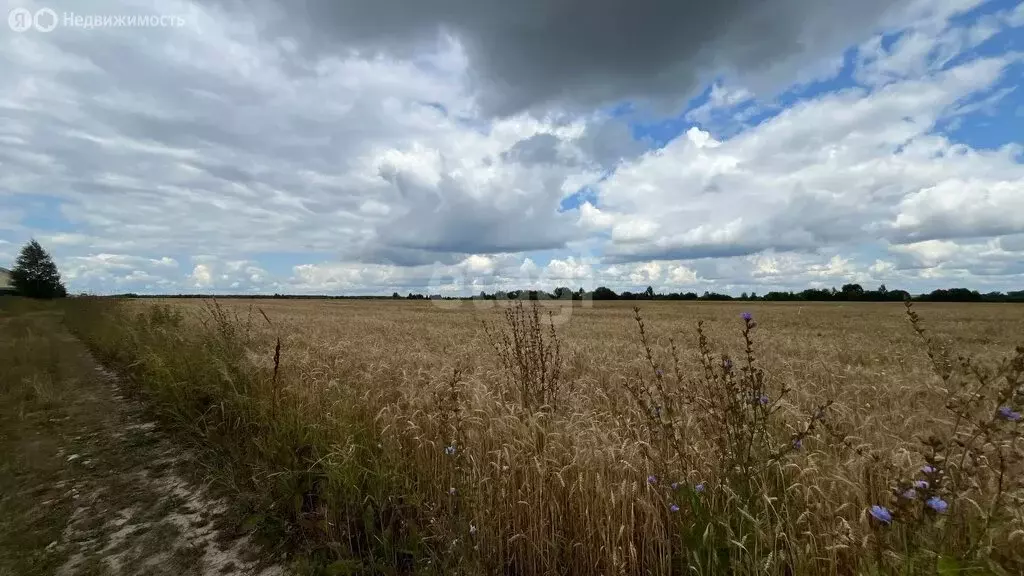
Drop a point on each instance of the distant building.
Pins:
(5, 281)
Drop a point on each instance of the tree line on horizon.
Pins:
(847, 293)
(36, 276)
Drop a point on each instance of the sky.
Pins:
(458, 146)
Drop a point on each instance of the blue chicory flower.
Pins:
(937, 504)
(798, 444)
(928, 469)
(881, 513)
(1007, 413)
(652, 479)
(763, 400)
(674, 508)
(675, 485)
(920, 484)
(699, 488)
(747, 316)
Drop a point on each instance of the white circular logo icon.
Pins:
(20, 19)
(45, 20)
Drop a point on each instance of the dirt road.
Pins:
(88, 484)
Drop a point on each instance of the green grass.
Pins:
(33, 476)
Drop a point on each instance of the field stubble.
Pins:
(395, 436)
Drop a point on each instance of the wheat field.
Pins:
(482, 438)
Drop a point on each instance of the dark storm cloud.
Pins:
(583, 52)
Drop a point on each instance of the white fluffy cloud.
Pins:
(207, 138)
(219, 156)
(836, 169)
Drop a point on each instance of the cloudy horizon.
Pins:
(451, 147)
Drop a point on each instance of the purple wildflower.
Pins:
(658, 372)
(1007, 413)
(674, 508)
(747, 316)
(699, 488)
(675, 485)
(763, 400)
(909, 494)
(937, 504)
(928, 469)
(922, 484)
(728, 364)
(881, 513)
(652, 479)
(798, 444)
(450, 450)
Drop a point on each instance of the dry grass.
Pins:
(395, 437)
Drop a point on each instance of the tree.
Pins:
(563, 293)
(852, 291)
(35, 275)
